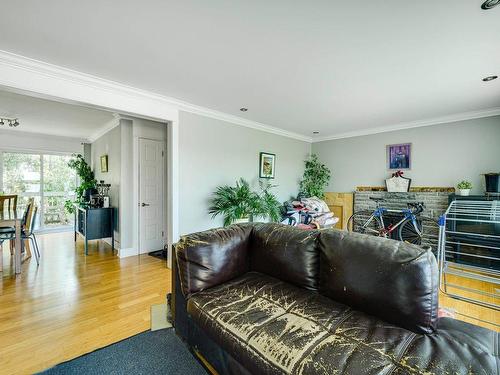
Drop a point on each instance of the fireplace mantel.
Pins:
(416, 189)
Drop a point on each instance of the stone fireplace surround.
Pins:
(435, 199)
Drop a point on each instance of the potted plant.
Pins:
(239, 204)
(86, 178)
(464, 187)
(315, 179)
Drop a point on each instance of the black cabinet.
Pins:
(94, 224)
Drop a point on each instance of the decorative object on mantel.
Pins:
(397, 183)
(492, 181)
(104, 163)
(415, 189)
(399, 156)
(464, 187)
(12, 122)
(315, 179)
(266, 165)
(239, 204)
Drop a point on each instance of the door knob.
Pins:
(144, 204)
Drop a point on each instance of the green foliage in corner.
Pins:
(86, 177)
(316, 178)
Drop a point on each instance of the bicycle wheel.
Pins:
(428, 228)
(408, 233)
(364, 222)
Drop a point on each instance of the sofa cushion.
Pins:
(212, 257)
(272, 327)
(287, 253)
(392, 280)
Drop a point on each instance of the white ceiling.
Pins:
(53, 118)
(333, 66)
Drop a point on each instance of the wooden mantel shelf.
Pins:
(416, 189)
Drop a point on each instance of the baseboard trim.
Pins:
(123, 253)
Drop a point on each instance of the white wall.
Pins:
(151, 130)
(11, 140)
(120, 144)
(109, 144)
(214, 152)
(443, 155)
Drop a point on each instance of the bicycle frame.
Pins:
(385, 231)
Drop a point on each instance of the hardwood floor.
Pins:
(72, 304)
(469, 312)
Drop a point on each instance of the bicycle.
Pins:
(410, 228)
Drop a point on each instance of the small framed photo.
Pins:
(399, 156)
(267, 165)
(104, 163)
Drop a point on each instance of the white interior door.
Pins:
(151, 192)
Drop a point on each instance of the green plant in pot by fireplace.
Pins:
(464, 187)
(240, 204)
(315, 179)
(86, 178)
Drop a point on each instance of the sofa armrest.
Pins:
(210, 258)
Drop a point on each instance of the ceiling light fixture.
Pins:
(490, 78)
(488, 4)
(243, 109)
(12, 122)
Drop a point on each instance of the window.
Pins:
(45, 177)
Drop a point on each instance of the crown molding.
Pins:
(24, 133)
(42, 69)
(414, 124)
(110, 125)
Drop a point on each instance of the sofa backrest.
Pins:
(210, 258)
(287, 253)
(392, 280)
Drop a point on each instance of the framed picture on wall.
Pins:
(399, 156)
(267, 165)
(104, 163)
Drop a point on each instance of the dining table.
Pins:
(13, 218)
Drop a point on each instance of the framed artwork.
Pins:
(399, 156)
(104, 163)
(267, 165)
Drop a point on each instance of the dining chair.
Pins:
(9, 200)
(27, 233)
(24, 221)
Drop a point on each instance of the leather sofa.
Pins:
(273, 299)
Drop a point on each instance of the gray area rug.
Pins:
(151, 352)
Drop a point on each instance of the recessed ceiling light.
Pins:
(243, 109)
(488, 4)
(315, 132)
(490, 78)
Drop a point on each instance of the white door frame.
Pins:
(31, 77)
(138, 196)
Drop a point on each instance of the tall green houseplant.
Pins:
(86, 177)
(316, 178)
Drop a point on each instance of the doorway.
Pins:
(152, 164)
